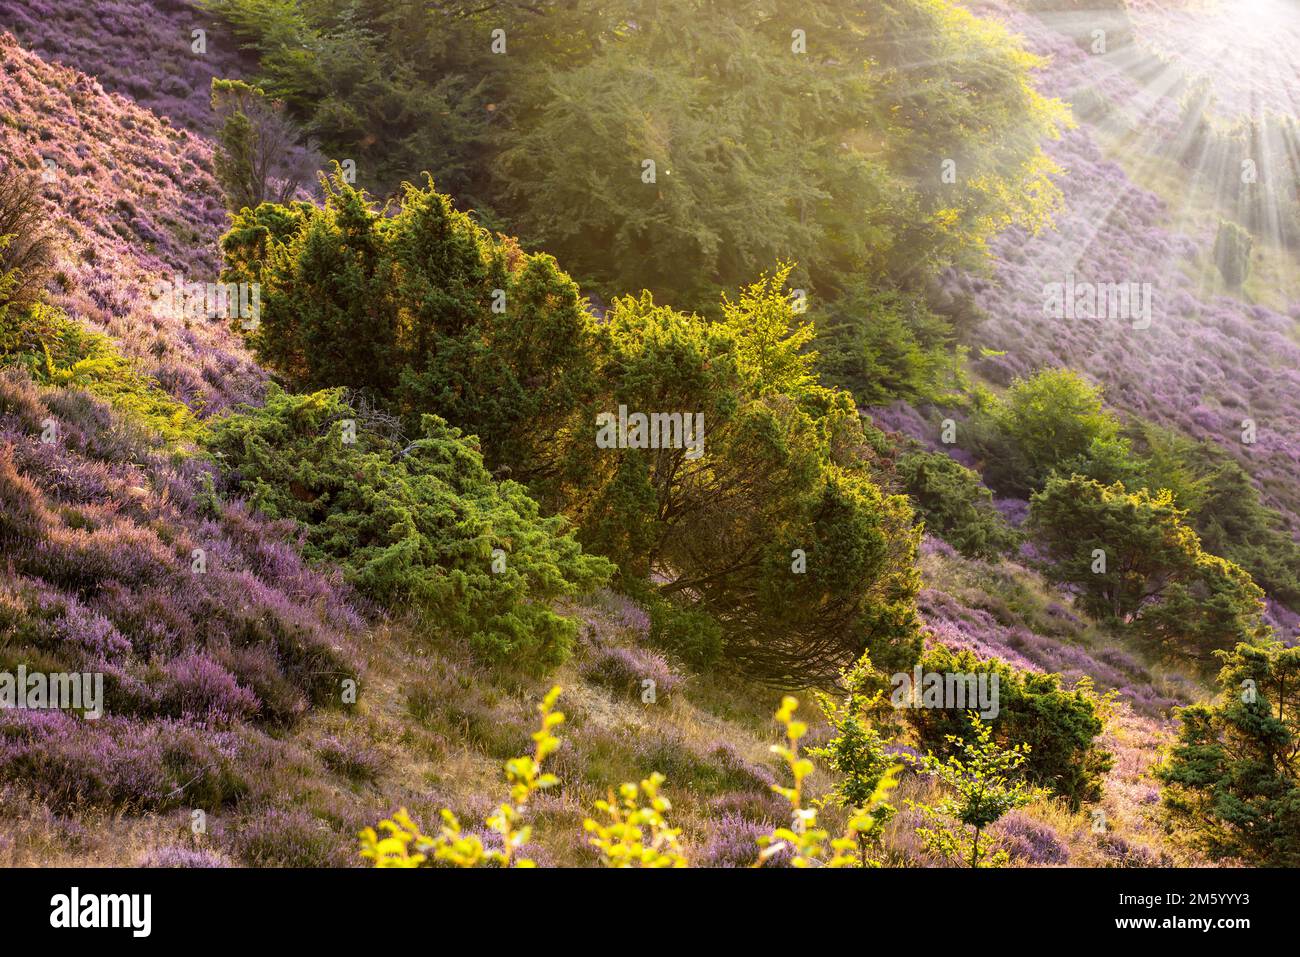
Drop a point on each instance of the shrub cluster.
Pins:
(1230, 781)
(1060, 727)
(1135, 562)
(201, 617)
(772, 523)
(955, 504)
(419, 523)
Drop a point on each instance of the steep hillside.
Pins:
(263, 707)
(1208, 359)
(132, 201)
(145, 50)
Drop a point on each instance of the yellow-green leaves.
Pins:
(806, 841)
(395, 848)
(636, 834)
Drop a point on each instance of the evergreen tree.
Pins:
(1134, 561)
(1232, 780)
(257, 158)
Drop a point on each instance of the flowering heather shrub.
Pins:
(741, 775)
(183, 857)
(1125, 853)
(355, 760)
(1014, 510)
(1031, 842)
(958, 627)
(763, 807)
(930, 545)
(194, 686)
(733, 842)
(109, 40)
(98, 531)
(1284, 622)
(289, 839)
(624, 671)
(90, 632)
(608, 615)
(71, 763)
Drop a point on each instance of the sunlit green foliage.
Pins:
(424, 309)
(1053, 421)
(1224, 506)
(431, 314)
(829, 153)
(1135, 562)
(785, 467)
(419, 523)
(634, 832)
(60, 352)
(857, 755)
(1058, 728)
(827, 148)
(809, 844)
(986, 781)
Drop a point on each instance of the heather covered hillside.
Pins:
(145, 51)
(1206, 357)
(450, 434)
(130, 200)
